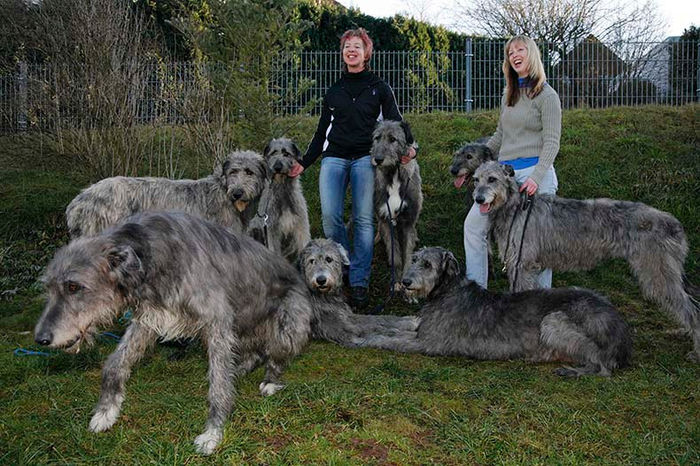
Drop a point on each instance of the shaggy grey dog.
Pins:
(462, 319)
(571, 234)
(228, 197)
(282, 221)
(467, 159)
(321, 263)
(398, 197)
(181, 276)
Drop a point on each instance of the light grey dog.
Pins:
(462, 319)
(181, 276)
(571, 234)
(228, 197)
(321, 263)
(398, 197)
(282, 221)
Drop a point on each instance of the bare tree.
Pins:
(562, 23)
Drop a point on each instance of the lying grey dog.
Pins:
(182, 277)
(462, 319)
(321, 263)
(228, 197)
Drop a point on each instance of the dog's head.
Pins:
(281, 155)
(467, 159)
(390, 142)
(243, 175)
(86, 284)
(493, 186)
(430, 268)
(322, 263)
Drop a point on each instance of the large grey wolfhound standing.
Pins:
(462, 319)
(321, 263)
(571, 234)
(228, 197)
(182, 276)
(398, 197)
(282, 221)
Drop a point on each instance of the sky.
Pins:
(679, 14)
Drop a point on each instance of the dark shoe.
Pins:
(359, 297)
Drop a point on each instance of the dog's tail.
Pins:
(402, 342)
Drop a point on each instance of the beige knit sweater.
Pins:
(530, 128)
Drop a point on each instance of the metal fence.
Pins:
(591, 74)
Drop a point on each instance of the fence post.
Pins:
(697, 84)
(22, 97)
(468, 101)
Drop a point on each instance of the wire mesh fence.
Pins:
(590, 74)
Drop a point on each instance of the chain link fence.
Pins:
(589, 75)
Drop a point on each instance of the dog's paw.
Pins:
(693, 357)
(207, 442)
(566, 371)
(269, 388)
(103, 419)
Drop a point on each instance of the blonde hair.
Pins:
(535, 69)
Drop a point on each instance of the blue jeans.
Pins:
(333, 181)
(476, 227)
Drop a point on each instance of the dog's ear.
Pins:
(266, 150)
(450, 264)
(301, 258)
(407, 131)
(263, 169)
(508, 169)
(297, 152)
(125, 266)
(220, 171)
(343, 254)
(488, 154)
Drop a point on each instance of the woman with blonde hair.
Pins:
(527, 138)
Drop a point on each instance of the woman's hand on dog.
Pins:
(296, 170)
(410, 155)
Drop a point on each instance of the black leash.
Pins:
(526, 205)
(392, 223)
(265, 218)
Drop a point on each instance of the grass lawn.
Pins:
(361, 406)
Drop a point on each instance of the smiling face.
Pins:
(354, 54)
(518, 58)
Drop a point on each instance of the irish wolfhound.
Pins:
(181, 276)
(571, 234)
(467, 159)
(462, 319)
(321, 263)
(282, 221)
(398, 198)
(228, 197)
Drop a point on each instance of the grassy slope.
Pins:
(369, 406)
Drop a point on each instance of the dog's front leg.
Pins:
(116, 372)
(222, 372)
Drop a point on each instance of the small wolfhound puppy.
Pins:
(571, 234)
(181, 276)
(321, 263)
(462, 319)
(228, 197)
(398, 197)
(282, 221)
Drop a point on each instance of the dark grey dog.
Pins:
(462, 319)
(321, 263)
(182, 276)
(228, 197)
(398, 197)
(282, 221)
(571, 234)
(467, 159)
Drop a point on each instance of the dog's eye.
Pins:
(249, 172)
(73, 287)
(329, 259)
(492, 179)
(469, 156)
(311, 261)
(413, 260)
(377, 138)
(476, 180)
(392, 139)
(426, 265)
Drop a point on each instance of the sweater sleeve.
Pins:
(316, 145)
(551, 134)
(494, 143)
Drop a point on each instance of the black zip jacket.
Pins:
(350, 111)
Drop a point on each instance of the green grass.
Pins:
(344, 406)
